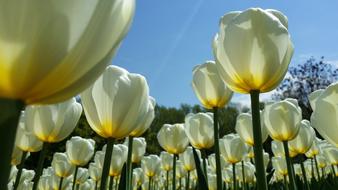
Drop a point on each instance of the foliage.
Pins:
(305, 78)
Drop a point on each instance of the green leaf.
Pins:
(123, 179)
(202, 183)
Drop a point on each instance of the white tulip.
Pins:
(79, 150)
(116, 103)
(200, 130)
(325, 115)
(173, 138)
(53, 123)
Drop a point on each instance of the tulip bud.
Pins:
(253, 49)
(13, 173)
(303, 141)
(212, 182)
(249, 172)
(244, 128)
(45, 182)
(324, 117)
(53, 123)
(297, 169)
(309, 168)
(17, 156)
(27, 175)
(282, 119)
(199, 130)
(99, 158)
(79, 150)
(227, 174)
(208, 86)
(279, 164)
(119, 157)
(25, 185)
(278, 150)
(321, 160)
(266, 159)
(251, 153)
(61, 165)
(25, 139)
(116, 103)
(150, 165)
(331, 154)
(166, 161)
(314, 150)
(187, 159)
(139, 148)
(232, 148)
(82, 175)
(212, 162)
(193, 175)
(87, 185)
(180, 170)
(59, 53)
(55, 182)
(172, 138)
(48, 171)
(95, 171)
(138, 176)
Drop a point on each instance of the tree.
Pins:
(305, 78)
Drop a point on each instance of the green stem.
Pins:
(38, 170)
(167, 180)
(9, 119)
(317, 169)
(129, 163)
(60, 183)
(258, 145)
(106, 163)
(149, 183)
(20, 167)
(243, 174)
(174, 172)
(333, 171)
(304, 176)
(216, 147)
(117, 181)
(286, 183)
(205, 157)
(188, 181)
(323, 172)
(111, 182)
(180, 183)
(312, 170)
(234, 176)
(77, 186)
(289, 166)
(74, 178)
(95, 185)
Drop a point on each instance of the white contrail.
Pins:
(176, 41)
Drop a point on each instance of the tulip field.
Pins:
(48, 83)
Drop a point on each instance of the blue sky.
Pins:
(169, 37)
